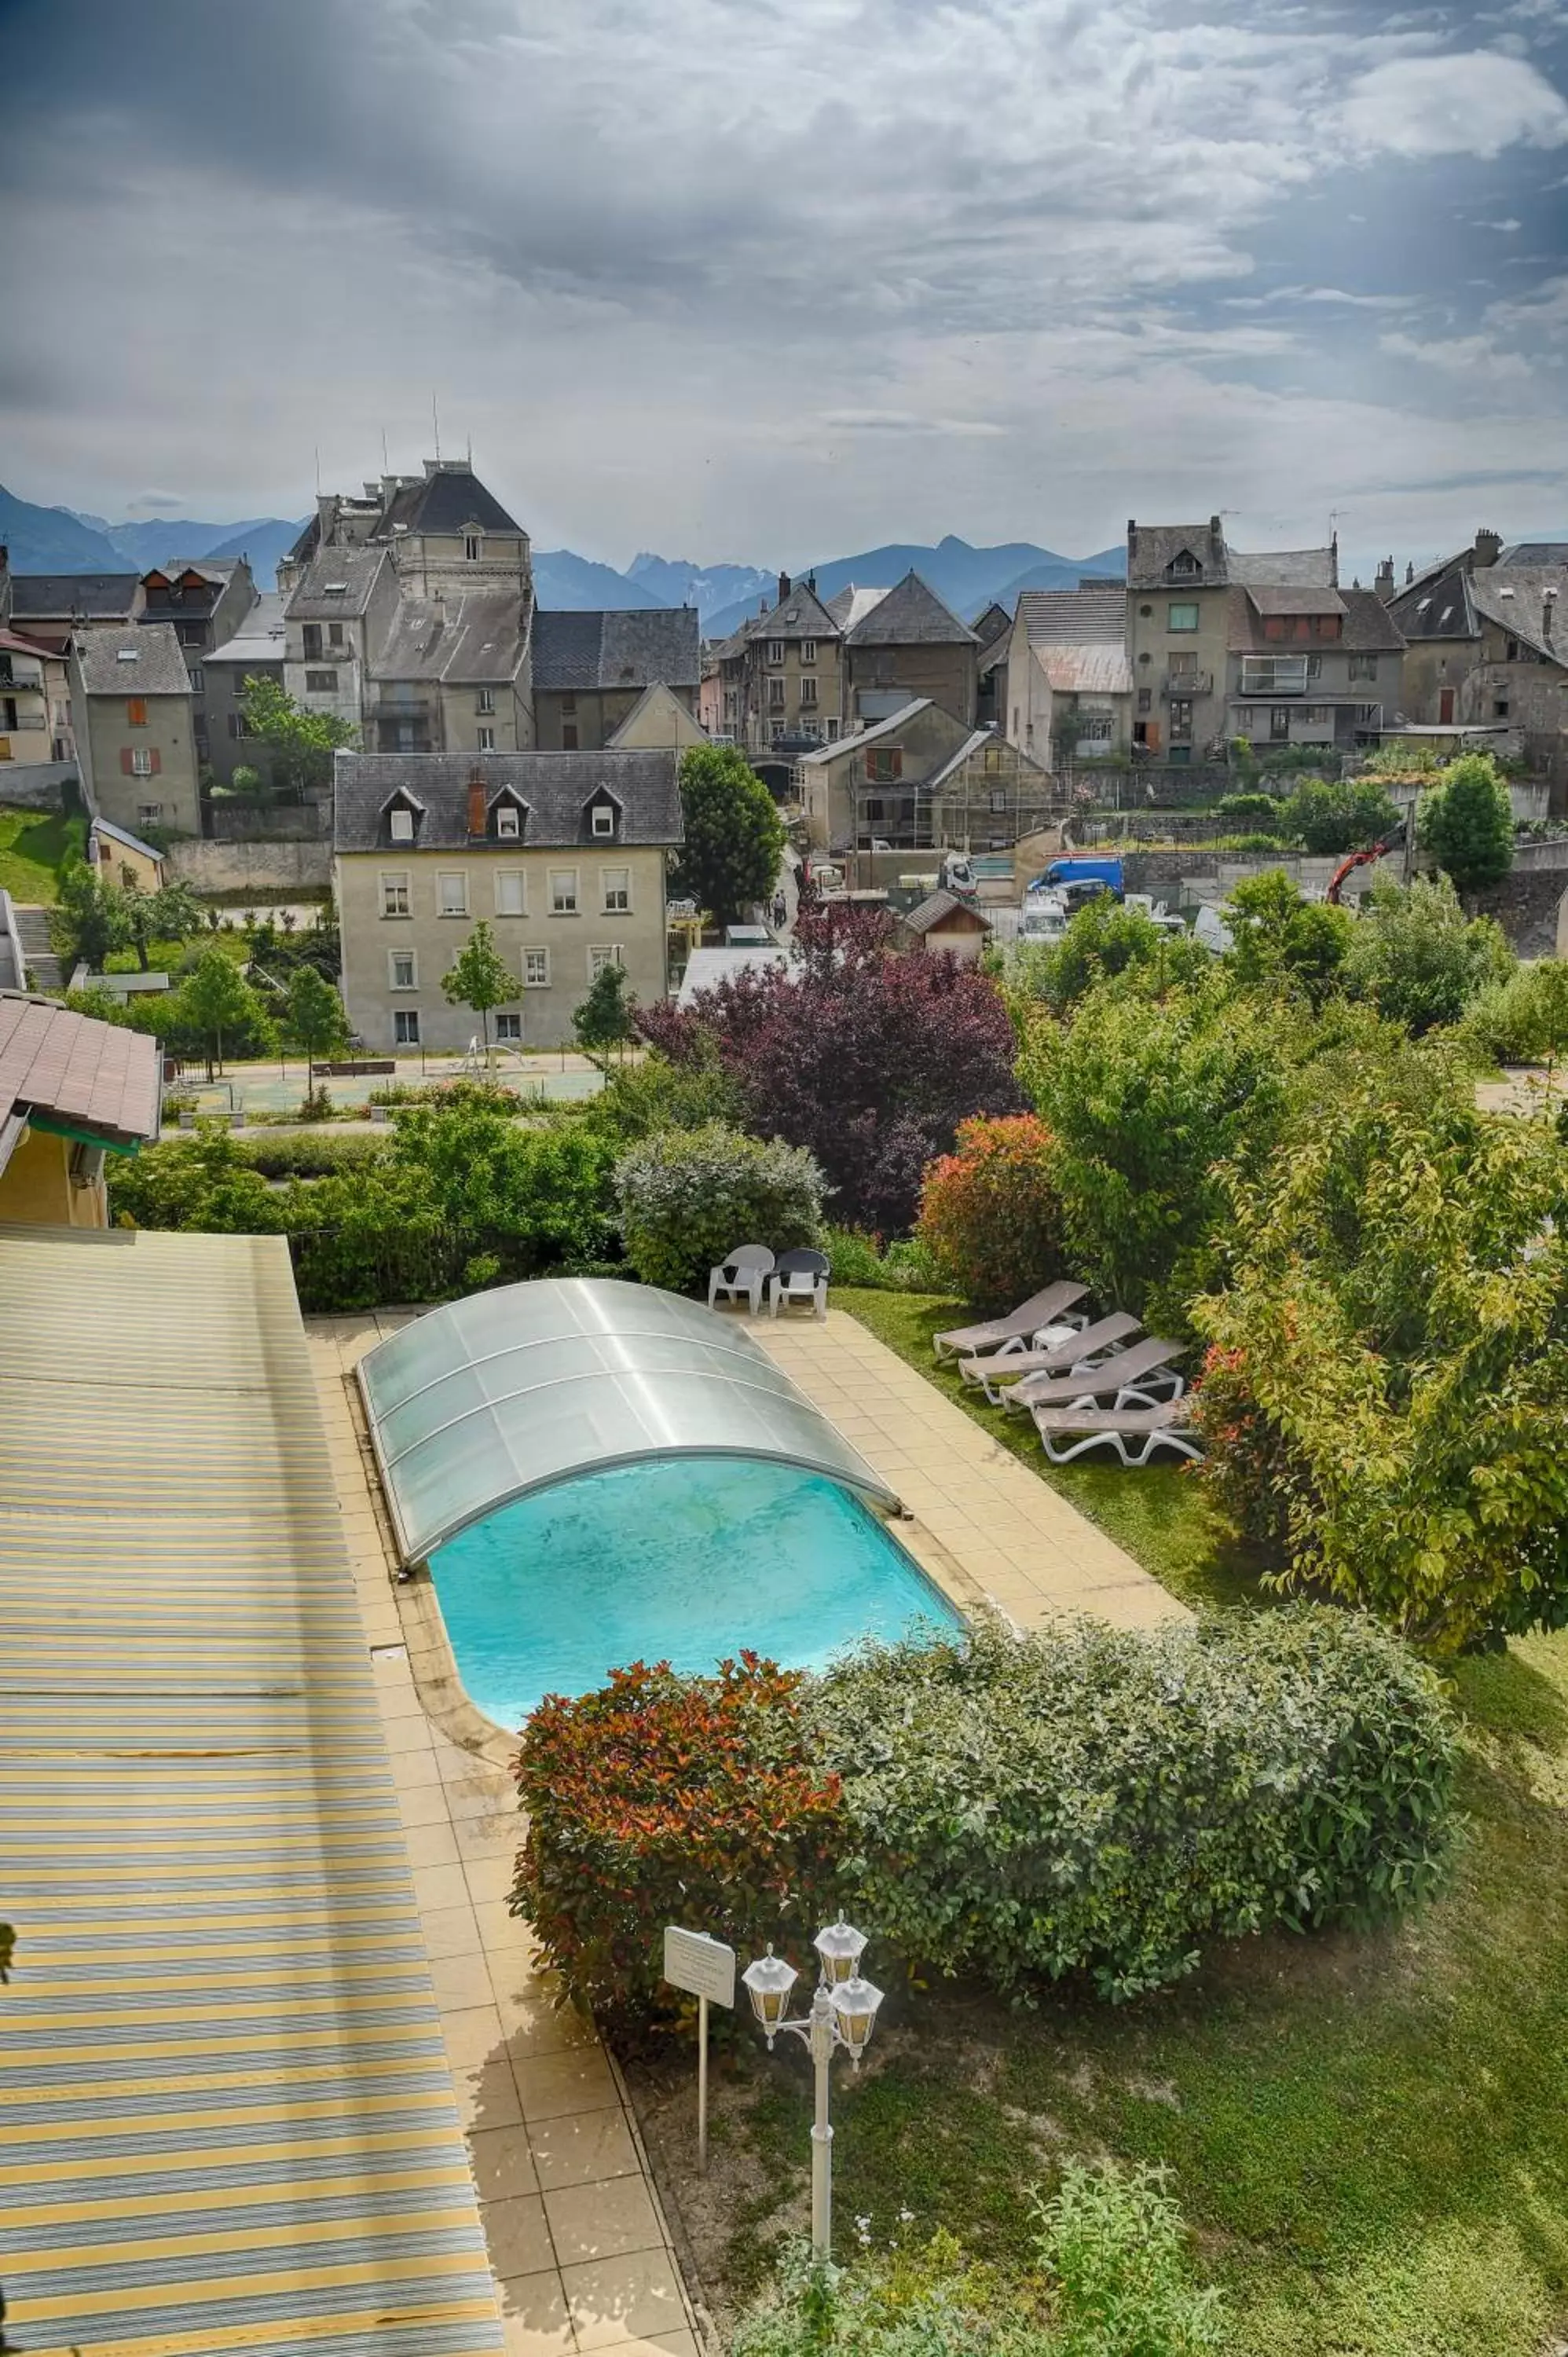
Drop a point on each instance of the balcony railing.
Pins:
(1186, 684)
(1263, 675)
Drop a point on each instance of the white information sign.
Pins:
(700, 1966)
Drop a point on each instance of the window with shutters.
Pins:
(883, 763)
(141, 762)
(136, 712)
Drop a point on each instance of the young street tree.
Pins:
(480, 977)
(604, 1020)
(1466, 823)
(214, 999)
(299, 744)
(315, 1022)
(170, 914)
(735, 837)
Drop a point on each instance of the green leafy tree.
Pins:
(172, 913)
(605, 1018)
(89, 920)
(1333, 815)
(733, 834)
(1104, 938)
(1467, 822)
(300, 744)
(1413, 954)
(480, 978)
(216, 1003)
(1277, 937)
(314, 1019)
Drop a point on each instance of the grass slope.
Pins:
(32, 844)
(1369, 2136)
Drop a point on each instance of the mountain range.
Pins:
(62, 540)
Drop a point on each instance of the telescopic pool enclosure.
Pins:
(483, 1401)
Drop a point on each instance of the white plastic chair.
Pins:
(800, 1282)
(741, 1277)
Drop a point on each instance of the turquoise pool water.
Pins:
(683, 1561)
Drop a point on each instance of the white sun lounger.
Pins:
(1047, 1308)
(1057, 1357)
(1146, 1364)
(1135, 1428)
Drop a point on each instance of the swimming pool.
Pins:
(684, 1561)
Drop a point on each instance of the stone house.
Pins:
(35, 701)
(1179, 577)
(901, 644)
(1310, 667)
(563, 856)
(917, 780)
(782, 679)
(1485, 646)
(205, 601)
(1067, 693)
(255, 651)
(121, 857)
(55, 608)
(591, 671)
(131, 708)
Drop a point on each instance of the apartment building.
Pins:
(901, 643)
(918, 779)
(35, 701)
(1312, 667)
(204, 602)
(1179, 578)
(255, 651)
(590, 672)
(563, 856)
(130, 709)
(780, 679)
(55, 608)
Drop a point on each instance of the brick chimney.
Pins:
(1548, 612)
(785, 586)
(1384, 583)
(478, 811)
(1216, 536)
(1488, 548)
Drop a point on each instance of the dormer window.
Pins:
(604, 820)
(400, 820)
(472, 546)
(508, 823)
(1183, 566)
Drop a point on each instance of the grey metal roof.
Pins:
(617, 648)
(1057, 616)
(1085, 666)
(705, 969)
(482, 635)
(356, 568)
(448, 501)
(145, 660)
(260, 637)
(558, 790)
(909, 615)
(46, 596)
(489, 1398)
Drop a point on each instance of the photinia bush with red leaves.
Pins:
(663, 1799)
(869, 1059)
(990, 1213)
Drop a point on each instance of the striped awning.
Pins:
(226, 2121)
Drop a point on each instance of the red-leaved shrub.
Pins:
(663, 1799)
(990, 1214)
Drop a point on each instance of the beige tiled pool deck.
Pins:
(578, 2245)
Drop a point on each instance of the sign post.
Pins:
(704, 1968)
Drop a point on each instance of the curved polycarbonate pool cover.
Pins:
(479, 1403)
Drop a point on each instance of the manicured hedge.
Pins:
(688, 1197)
(307, 1154)
(1089, 1801)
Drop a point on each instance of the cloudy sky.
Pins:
(738, 280)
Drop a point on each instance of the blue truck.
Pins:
(1070, 876)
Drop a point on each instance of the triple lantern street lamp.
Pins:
(842, 2015)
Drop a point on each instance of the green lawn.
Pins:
(32, 846)
(1369, 2135)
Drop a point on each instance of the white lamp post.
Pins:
(843, 2012)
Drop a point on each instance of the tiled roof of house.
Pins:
(445, 503)
(145, 660)
(49, 596)
(1154, 548)
(617, 648)
(937, 907)
(1518, 603)
(801, 615)
(558, 790)
(336, 585)
(1054, 617)
(72, 1068)
(1366, 626)
(482, 636)
(909, 615)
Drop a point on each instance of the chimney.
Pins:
(810, 578)
(1408, 571)
(1548, 612)
(1216, 536)
(1384, 582)
(784, 587)
(1488, 548)
(1132, 537)
(477, 812)
(1334, 558)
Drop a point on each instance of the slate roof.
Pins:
(557, 788)
(1517, 605)
(1437, 604)
(909, 615)
(357, 567)
(993, 623)
(1534, 552)
(260, 637)
(801, 615)
(1368, 625)
(156, 665)
(95, 1076)
(447, 501)
(1157, 544)
(936, 908)
(480, 636)
(1284, 568)
(48, 596)
(617, 648)
(1057, 616)
(850, 606)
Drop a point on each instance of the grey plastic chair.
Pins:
(742, 1276)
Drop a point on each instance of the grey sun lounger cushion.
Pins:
(1135, 1433)
(1007, 1367)
(1148, 1359)
(1041, 1309)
